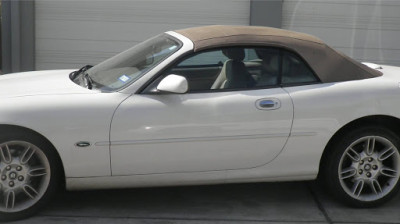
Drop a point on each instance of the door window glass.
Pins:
(240, 68)
(228, 69)
(295, 70)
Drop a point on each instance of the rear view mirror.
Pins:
(173, 84)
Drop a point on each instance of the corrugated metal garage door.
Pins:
(74, 33)
(365, 30)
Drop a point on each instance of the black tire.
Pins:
(54, 178)
(332, 163)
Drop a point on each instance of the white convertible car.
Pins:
(207, 105)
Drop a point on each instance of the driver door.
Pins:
(199, 131)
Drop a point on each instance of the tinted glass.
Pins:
(295, 70)
(204, 59)
(229, 68)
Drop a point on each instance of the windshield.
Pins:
(126, 67)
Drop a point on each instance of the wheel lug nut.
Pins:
(4, 177)
(19, 168)
(361, 162)
(20, 178)
(8, 168)
(368, 174)
(360, 171)
(374, 167)
(11, 183)
(370, 159)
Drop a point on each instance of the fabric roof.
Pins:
(329, 65)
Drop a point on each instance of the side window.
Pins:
(234, 68)
(205, 59)
(268, 72)
(295, 70)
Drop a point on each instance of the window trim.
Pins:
(192, 53)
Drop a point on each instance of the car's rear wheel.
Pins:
(362, 169)
(29, 175)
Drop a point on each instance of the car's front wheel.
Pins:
(29, 175)
(362, 169)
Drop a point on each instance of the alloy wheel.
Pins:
(369, 168)
(24, 175)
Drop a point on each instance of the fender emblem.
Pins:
(82, 144)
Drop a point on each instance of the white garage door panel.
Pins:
(70, 34)
(380, 56)
(341, 13)
(99, 30)
(79, 52)
(83, 45)
(182, 12)
(365, 30)
(338, 37)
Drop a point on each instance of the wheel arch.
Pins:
(386, 121)
(11, 128)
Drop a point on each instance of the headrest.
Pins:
(266, 53)
(234, 53)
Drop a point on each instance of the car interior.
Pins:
(239, 68)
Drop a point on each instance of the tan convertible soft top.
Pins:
(330, 65)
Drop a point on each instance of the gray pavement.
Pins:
(293, 202)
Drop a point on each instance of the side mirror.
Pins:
(173, 84)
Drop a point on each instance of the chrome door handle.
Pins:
(268, 104)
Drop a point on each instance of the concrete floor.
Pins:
(294, 202)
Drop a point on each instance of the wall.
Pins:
(363, 29)
(70, 34)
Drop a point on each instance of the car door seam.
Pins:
(109, 131)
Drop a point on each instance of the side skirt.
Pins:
(164, 180)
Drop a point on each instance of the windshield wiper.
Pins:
(88, 81)
(73, 75)
(84, 78)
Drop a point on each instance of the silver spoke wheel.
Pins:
(369, 168)
(24, 175)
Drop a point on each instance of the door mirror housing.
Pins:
(173, 84)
